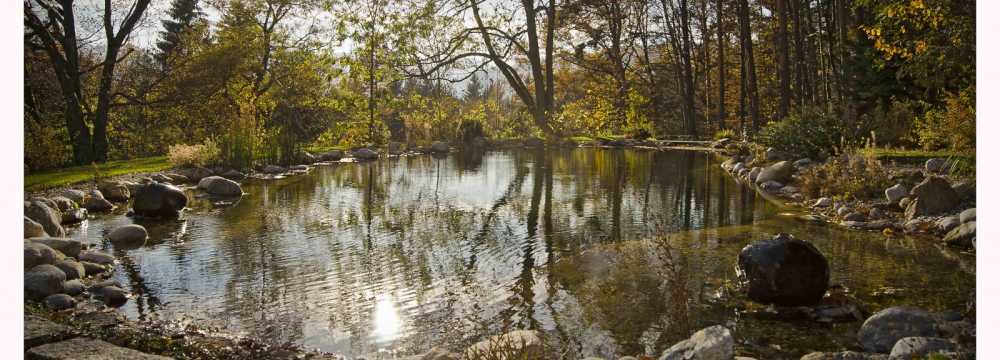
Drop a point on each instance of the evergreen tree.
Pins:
(183, 13)
(474, 90)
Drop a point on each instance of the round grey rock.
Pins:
(67, 246)
(96, 257)
(881, 331)
(76, 195)
(49, 218)
(920, 347)
(43, 280)
(967, 215)
(896, 192)
(56, 302)
(73, 287)
(91, 269)
(38, 254)
(72, 269)
(128, 234)
(33, 229)
(112, 296)
(217, 185)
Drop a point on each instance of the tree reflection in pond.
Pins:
(407, 253)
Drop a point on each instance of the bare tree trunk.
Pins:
(722, 64)
(688, 77)
(749, 66)
(784, 101)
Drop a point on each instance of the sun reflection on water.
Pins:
(386, 320)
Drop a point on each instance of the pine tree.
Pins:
(473, 91)
(183, 13)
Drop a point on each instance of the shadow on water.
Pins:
(609, 252)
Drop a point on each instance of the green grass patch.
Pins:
(322, 149)
(581, 139)
(964, 162)
(78, 174)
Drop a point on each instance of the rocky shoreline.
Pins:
(70, 302)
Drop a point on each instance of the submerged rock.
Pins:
(519, 344)
(881, 331)
(784, 271)
(159, 200)
(710, 343)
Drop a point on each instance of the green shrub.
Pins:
(810, 132)
(894, 124)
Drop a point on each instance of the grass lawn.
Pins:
(322, 149)
(965, 162)
(77, 174)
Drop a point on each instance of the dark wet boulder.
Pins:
(781, 172)
(217, 185)
(365, 154)
(932, 196)
(73, 287)
(33, 229)
(784, 271)
(439, 147)
(96, 257)
(966, 190)
(90, 268)
(269, 169)
(43, 280)
(48, 217)
(112, 296)
(234, 175)
(333, 155)
(881, 331)
(159, 200)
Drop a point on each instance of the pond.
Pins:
(608, 252)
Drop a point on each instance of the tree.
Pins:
(474, 89)
(182, 15)
(57, 36)
(784, 101)
(749, 70)
(490, 41)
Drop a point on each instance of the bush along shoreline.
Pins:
(70, 300)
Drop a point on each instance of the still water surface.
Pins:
(609, 252)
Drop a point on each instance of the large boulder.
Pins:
(67, 246)
(932, 196)
(881, 331)
(194, 174)
(439, 147)
(159, 200)
(752, 175)
(114, 191)
(43, 280)
(87, 348)
(37, 254)
(334, 155)
(33, 228)
(519, 344)
(710, 343)
(962, 236)
(131, 234)
(896, 192)
(49, 218)
(73, 194)
(217, 185)
(920, 347)
(365, 154)
(784, 271)
(781, 172)
(966, 190)
(63, 203)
